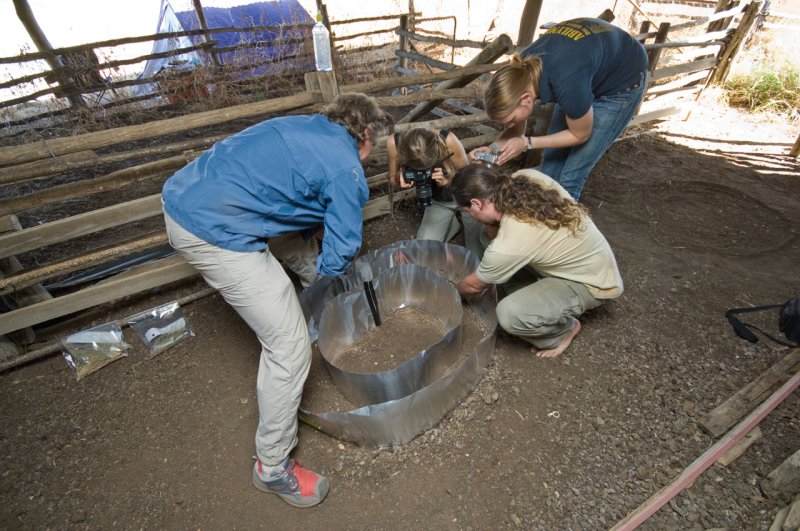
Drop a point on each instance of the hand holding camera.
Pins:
(422, 180)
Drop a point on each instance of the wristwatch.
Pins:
(528, 145)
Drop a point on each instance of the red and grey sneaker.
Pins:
(297, 486)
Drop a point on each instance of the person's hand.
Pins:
(511, 148)
(402, 183)
(439, 177)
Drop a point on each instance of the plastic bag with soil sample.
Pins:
(161, 327)
(94, 348)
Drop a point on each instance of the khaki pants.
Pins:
(540, 312)
(258, 288)
(439, 222)
(539, 309)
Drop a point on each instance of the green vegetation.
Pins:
(767, 88)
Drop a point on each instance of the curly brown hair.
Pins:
(518, 196)
(358, 112)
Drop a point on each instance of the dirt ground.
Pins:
(702, 217)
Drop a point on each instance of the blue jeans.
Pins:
(570, 166)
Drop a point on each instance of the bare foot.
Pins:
(561, 347)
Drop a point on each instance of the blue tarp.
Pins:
(285, 13)
(273, 45)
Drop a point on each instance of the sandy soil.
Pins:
(701, 215)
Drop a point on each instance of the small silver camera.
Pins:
(488, 158)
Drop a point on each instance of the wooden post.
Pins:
(654, 54)
(36, 293)
(644, 28)
(201, 18)
(402, 45)
(607, 15)
(528, 22)
(325, 82)
(729, 52)
(493, 50)
(38, 37)
(722, 5)
(795, 151)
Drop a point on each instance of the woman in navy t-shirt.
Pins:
(595, 73)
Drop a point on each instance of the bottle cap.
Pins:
(319, 16)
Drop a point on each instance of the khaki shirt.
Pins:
(583, 257)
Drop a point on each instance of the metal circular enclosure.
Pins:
(414, 396)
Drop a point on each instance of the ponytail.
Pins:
(505, 89)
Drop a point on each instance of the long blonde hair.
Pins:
(421, 148)
(505, 89)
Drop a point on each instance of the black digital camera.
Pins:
(422, 180)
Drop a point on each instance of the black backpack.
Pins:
(788, 322)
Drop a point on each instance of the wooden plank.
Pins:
(59, 146)
(653, 115)
(114, 180)
(72, 227)
(740, 447)
(97, 139)
(699, 465)
(783, 483)
(420, 58)
(40, 274)
(492, 52)
(686, 68)
(726, 414)
(171, 269)
(792, 521)
(86, 159)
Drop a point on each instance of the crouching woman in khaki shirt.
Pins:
(533, 222)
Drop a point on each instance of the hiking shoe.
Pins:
(297, 486)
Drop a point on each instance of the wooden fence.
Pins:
(35, 164)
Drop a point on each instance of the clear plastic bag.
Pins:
(161, 327)
(91, 349)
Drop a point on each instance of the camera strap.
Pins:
(745, 330)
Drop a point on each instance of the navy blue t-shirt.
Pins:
(584, 59)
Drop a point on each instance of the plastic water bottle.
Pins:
(322, 45)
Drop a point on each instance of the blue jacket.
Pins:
(282, 175)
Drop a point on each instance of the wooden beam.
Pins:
(721, 418)
(201, 18)
(795, 151)
(59, 146)
(55, 147)
(528, 22)
(163, 272)
(169, 270)
(40, 274)
(25, 15)
(80, 225)
(492, 52)
(111, 181)
(783, 483)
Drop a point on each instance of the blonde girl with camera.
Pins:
(440, 151)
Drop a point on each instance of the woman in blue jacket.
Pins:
(596, 74)
(275, 181)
